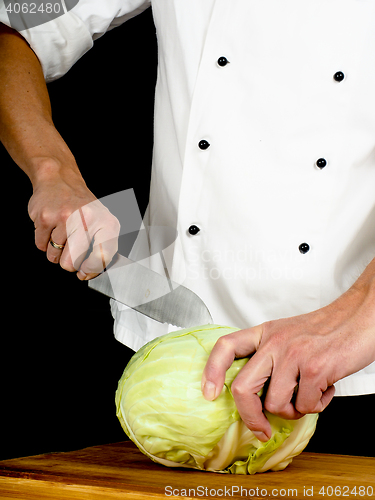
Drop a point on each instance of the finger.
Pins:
(313, 397)
(77, 246)
(280, 396)
(245, 389)
(326, 398)
(88, 264)
(42, 237)
(57, 239)
(92, 227)
(238, 344)
(103, 250)
(46, 223)
(98, 260)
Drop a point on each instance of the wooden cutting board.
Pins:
(120, 470)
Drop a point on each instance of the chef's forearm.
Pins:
(366, 281)
(26, 127)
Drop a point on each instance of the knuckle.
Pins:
(305, 408)
(311, 371)
(274, 407)
(239, 389)
(114, 223)
(224, 343)
(45, 219)
(64, 214)
(109, 231)
(283, 409)
(292, 353)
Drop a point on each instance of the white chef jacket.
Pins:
(282, 186)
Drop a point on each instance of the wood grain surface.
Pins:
(120, 470)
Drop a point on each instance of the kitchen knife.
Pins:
(151, 294)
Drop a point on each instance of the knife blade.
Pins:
(151, 293)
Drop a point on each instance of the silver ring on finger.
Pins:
(56, 245)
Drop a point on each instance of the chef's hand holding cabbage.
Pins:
(161, 408)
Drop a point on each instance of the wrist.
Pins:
(356, 305)
(44, 170)
(359, 301)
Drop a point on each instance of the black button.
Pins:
(339, 76)
(222, 61)
(203, 144)
(304, 248)
(193, 230)
(321, 163)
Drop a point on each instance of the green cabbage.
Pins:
(161, 408)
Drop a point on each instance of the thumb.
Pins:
(94, 264)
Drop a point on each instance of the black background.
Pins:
(60, 362)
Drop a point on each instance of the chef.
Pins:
(264, 163)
